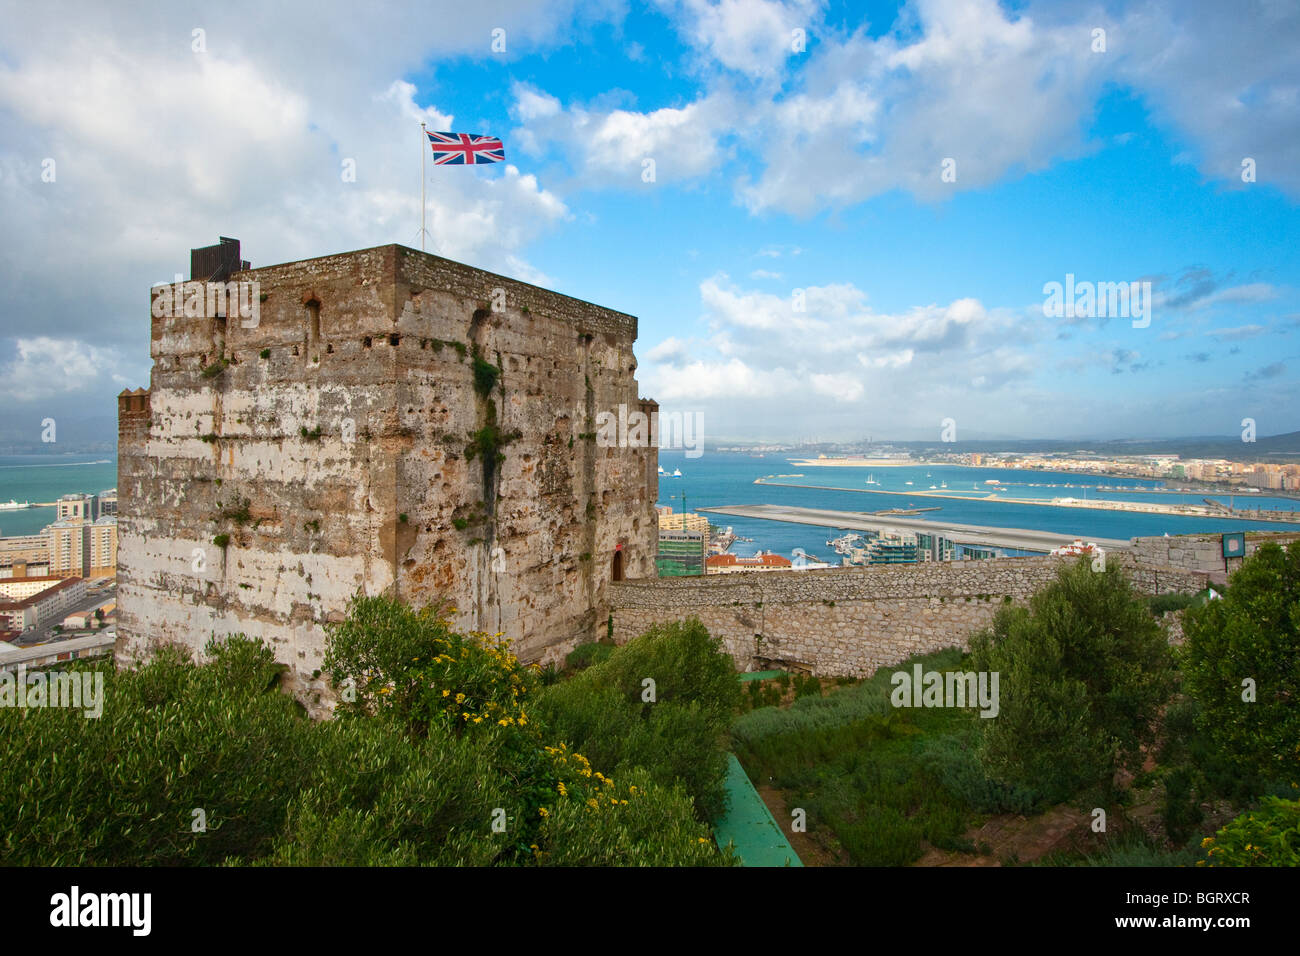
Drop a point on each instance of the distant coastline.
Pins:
(865, 463)
(1098, 504)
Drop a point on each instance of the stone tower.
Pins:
(381, 421)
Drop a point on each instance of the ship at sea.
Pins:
(12, 505)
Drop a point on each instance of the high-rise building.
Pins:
(68, 544)
(681, 553)
(103, 547)
(85, 507)
(683, 522)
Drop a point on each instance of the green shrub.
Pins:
(413, 667)
(485, 375)
(584, 655)
(954, 762)
(679, 736)
(1252, 633)
(1164, 603)
(1266, 836)
(381, 799)
(1084, 672)
(121, 790)
(433, 761)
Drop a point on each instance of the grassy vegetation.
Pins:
(1090, 691)
(882, 779)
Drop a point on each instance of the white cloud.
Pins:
(159, 149)
(754, 38)
(42, 368)
(842, 363)
(611, 146)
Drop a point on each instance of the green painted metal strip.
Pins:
(748, 825)
(760, 675)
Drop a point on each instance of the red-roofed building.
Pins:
(27, 602)
(729, 563)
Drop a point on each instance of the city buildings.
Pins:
(81, 541)
(28, 602)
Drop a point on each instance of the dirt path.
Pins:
(812, 851)
(1012, 838)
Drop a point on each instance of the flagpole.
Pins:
(424, 138)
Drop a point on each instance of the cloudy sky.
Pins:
(833, 219)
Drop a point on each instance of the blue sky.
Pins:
(776, 170)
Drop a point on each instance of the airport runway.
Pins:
(1020, 539)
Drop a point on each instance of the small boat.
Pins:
(677, 472)
(661, 471)
(943, 484)
(927, 474)
(907, 482)
(932, 488)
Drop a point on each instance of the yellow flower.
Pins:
(702, 840)
(446, 693)
(563, 790)
(460, 698)
(543, 811)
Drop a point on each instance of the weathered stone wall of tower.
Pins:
(346, 444)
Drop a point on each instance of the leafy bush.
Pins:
(381, 799)
(679, 736)
(954, 762)
(173, 738)
(1266, 836)
(1084, 671)
(433, 761)
(642, 823)
(584, 655)
(1252, 633)
(413, 667)
(1164, 603)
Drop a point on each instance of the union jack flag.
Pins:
(465, 149)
